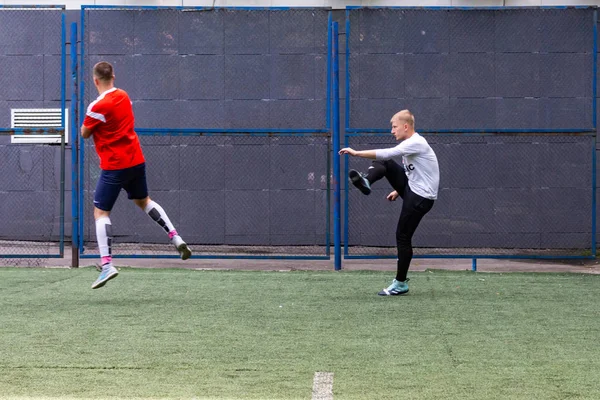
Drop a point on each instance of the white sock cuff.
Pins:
(105, 220)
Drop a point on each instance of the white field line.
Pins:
(323, 386)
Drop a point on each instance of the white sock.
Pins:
(156, 212)
(104, 238)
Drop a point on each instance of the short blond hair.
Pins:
(404, 116)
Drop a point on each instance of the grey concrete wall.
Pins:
(335, 4)
(224, 70)
(472, 69)
(30, 48)
(507, 71)
(496, 191)
(220, 69)
(461, 70)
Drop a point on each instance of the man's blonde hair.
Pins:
(404, 116)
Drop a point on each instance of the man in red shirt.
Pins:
(110, 121)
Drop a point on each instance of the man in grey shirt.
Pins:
(416, 182)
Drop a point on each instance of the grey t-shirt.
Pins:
(420, 164)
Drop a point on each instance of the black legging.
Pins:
(414, 207)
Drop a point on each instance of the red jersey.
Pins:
(110, 118)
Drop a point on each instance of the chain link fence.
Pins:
(214, 69)
(30, 185)
(232, 107)
(29, 202)
(500, 195)
(528, 69)
(227, 194)
(506, 99)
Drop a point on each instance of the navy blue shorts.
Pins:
(133, 180)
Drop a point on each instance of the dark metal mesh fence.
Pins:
(30, 58)
(30, 50)
(220, 68)
(230, 71)
(514, 69)
(501, 72)
(499, 195)
(29, 200)
(227, 194)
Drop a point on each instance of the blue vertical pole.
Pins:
(474, 265)
(594, 197)
(74, 151)
(79, 141)
(595, 69)
(347, 126)
(595, 124)
(346, 199)
(336, 147)
(329, 145)
(328, 124)
(63, 95)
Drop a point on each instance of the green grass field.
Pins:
(263, 335)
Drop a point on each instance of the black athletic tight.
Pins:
(414, 207)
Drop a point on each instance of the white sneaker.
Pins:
(108, 272)
(181, 247)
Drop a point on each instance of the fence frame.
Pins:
(57, 130)
(327, 131)
(591, 131)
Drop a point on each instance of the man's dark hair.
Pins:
(104, 71)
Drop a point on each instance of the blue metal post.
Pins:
(595, 124)
(74, 152)
(63, 94)
(595, 69)
(347, 126)
(346, 200)
(474, 265)
(80, 144)
(594, 197)
(336, 147)
(329, 147)
(328, 123)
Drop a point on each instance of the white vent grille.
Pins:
(38, 118)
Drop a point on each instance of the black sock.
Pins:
(403, 266)
(405, 255)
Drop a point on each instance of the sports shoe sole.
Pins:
(102, 283)
(184, 250)
(358, 181)
(384, 292)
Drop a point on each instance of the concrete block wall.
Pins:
(514, 69)
(76, 4)
(233, 210)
